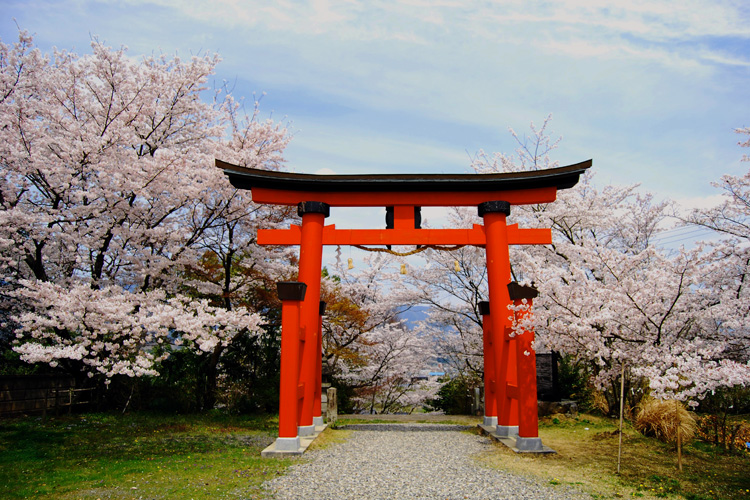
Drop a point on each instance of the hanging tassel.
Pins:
(456, 267)
(351, 263)
(403, 268)
(338, 256)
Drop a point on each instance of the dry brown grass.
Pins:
(586, 459)
(663, 419)
(329, 437)
(599, 403)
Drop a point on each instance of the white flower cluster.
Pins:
(116, 332)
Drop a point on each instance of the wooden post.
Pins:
(490, 406)
(528, 408)
(291, 294)
(57, 397)
(494, 214)
(318, 396)
(46, 401)
(313, 215)
(525, 389)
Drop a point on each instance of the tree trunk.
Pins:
(209, 386)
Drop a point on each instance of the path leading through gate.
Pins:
(408, 461)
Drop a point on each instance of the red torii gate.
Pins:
(510, 375)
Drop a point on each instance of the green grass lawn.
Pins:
(99, 456)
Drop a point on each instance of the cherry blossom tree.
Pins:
(452, 284)
(609, 296)
(367, 348)
(729, 259)
(109, 193)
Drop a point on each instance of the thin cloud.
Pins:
(573, 27)
(652, 90)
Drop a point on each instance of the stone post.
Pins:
(332, 408)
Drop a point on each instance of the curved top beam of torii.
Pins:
(287, 188)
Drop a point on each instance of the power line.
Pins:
(681, 233)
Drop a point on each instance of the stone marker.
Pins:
(332, 406)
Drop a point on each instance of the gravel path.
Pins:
(412, 461)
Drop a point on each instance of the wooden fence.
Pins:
(40, 394)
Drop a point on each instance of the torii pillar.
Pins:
(310, 261)
(494, 214)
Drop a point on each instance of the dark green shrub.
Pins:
(454, 397)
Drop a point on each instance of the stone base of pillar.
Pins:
(306, 430)
(506, 430)
(286, 447)
(288, 444)
(513, 441)
(490, 421)
(529, 444)
(318, 421)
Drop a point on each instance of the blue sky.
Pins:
(651, 90)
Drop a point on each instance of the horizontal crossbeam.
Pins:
(389, 198)
(474, 236)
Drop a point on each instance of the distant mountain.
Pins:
(415, 315)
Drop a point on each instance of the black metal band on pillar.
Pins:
(484, 308)
(313, 207)
(291, 290)
(322, 308)
(518, 292)
(489, 207)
